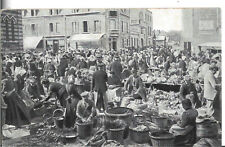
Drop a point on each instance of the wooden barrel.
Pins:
(206, 129)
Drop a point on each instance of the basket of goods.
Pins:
(162, 139)
(116, 130)
(84, 129)
(121, 113)
(139, 134)
(58, 118)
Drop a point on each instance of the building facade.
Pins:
(57, 25)
(201, 25)
(141, 26)
(11, 31)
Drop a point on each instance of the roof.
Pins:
(86, 37)
(161, 38)
(211, 45)
(31, 42)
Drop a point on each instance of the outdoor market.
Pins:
(158, 96)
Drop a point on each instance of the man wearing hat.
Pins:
(182, 65)
(133, 82)
(210, 91)
(99, 80)
(116, 67)
(188, 88)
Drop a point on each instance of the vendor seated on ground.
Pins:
(86, 110)
(137, 105)
(185, 129)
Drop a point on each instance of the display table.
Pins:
(164, 86)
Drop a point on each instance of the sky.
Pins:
(167, 19)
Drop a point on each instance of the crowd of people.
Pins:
(79, 80)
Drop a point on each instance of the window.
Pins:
(51, 27)
(12, 28)
(57, 27)
(51, 12)
(122, 26)
(142, 31)
(112, 24)
(97, 26)
(112, 13)
(36, 12)
(7, 30)
(85, 26)
(122, 43)
(150, 30)
(32, 12)
(127, 29)
(33, 28)
(74, 11)
(25, 13)
(75, 27)
(57, 11)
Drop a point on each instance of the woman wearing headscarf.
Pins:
(187, 125)
(17, 113)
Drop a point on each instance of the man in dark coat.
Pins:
(116, 67)
(188, 88)
(99, 85)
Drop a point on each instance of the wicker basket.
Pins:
(162, 139)
(139, 136)
(161, 122)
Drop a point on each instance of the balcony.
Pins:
(114, 32)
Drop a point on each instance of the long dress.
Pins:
(16, 113)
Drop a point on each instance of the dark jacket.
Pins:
(182, 65)
(188, 117)
(99, 81)
(186, 89)
(116, 67)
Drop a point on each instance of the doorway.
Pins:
(114, 45)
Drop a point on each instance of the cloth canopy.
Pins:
(31, 42)
(86, 37)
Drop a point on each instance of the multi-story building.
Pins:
(11, 31)
(57, 25)
(141, 26)
(201, 25)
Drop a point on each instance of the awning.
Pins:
(86, 37)
(31, 42)
(161, 38)
(214, 45)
